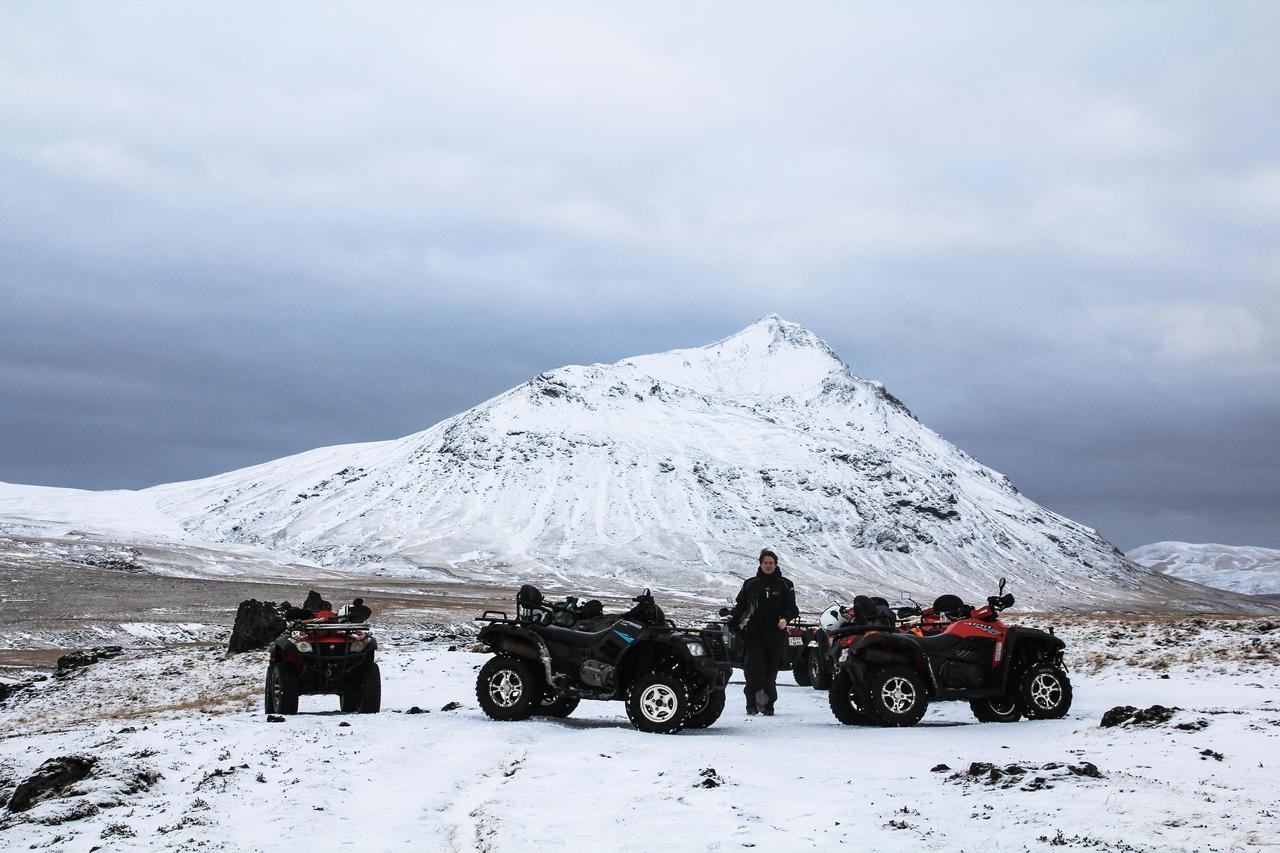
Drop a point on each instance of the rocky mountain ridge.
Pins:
(670, 471)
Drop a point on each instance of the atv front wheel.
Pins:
(280, 695)
(845, 702)
(1045, 692)
(800, 669)
(553, 706)
(370, 691)
(658, 703)
(819, 670)
(895, 696)
(997, 709)
(703, 714)
(509, 689)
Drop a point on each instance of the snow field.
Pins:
(455, 780)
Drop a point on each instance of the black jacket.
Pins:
(763, 600)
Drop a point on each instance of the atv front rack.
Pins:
(338, 627)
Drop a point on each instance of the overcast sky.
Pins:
(238, 231)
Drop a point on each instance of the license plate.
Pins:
(796, 641)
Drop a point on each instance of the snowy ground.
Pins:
(186, 760)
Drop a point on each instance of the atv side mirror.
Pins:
(1002, 582)
(904, 595)
(724, 611)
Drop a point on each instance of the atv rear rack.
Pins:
(494, 616)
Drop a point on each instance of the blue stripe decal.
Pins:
(624, 636)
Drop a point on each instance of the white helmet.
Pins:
(832, 618)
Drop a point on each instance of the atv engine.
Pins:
(597, 674)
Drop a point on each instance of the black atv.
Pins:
(670, 678)
(325, 652)
(885, 676)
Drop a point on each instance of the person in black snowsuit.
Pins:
(763, 608)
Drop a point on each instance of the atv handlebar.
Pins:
(1000, 602)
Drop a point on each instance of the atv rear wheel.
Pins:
(509, 689)
(819, 670)
(1045, 692)
(658, 703)
(895, 696)
(370, 701)
(553, 706)
(800, 669)
(280, 695)
(997, 709)
(703, 714)
(846, 703)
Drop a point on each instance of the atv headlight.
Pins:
(302, 646)
(696, 649)
(358, 646)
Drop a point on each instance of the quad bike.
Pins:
(325, 652)
(670, 678)
(801, 638)
(885, 676)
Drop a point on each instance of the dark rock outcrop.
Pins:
(86, 657)
(257, 624)
(50, 780)
(8, 688)
(1117, 715)
(1127, 715)
(315, 602)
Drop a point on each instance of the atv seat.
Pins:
(867, 612)
(570, 637)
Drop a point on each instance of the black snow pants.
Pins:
(760, 661)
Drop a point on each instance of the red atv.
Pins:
(325, 652)
(885, 676)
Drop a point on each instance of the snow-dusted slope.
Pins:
(1239, 568)
(669, 470)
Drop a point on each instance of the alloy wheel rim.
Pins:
(815, 669)
(898, 695)
(658, 703)
(505, 688)
(1046, 691)
(1003, 705)
(277, 690)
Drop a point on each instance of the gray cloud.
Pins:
(227, 235)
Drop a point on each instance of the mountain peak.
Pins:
(773, 332)
(771, 357)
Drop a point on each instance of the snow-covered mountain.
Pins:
(1239, 568)
(668, 470)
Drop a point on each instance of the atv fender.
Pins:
(283, 652)
(1029, 645)
(654, 655)
(519, 642)
(884, 649)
